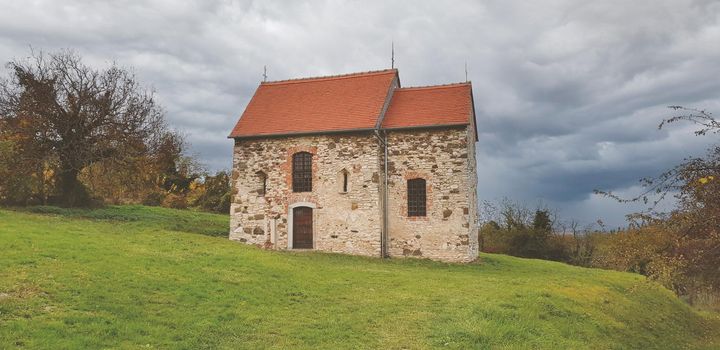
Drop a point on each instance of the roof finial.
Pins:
(392, 54)
(264, 74)
(466, 80)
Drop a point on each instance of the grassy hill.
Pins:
(137, 277)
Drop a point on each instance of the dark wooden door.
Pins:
(302, 228)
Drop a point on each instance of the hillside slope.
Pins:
(129, 277)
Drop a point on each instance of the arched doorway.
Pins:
(302, 228)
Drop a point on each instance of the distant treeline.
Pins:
(661, 249)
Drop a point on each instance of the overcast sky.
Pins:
(568, 94)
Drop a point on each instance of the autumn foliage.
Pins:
(73, 135)
(680, 249)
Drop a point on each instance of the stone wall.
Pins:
(472, 177)
(351, 222)
(445, 158)
(342, 222)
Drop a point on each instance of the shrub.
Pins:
(213, 194)
(154, 198)
(175, 201)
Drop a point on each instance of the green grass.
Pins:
(147, 217)
(138, 277)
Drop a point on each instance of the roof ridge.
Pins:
(329, 77)
(440, 86)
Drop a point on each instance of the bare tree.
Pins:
(61, 108)
(674, 181)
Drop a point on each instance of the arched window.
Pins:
(262, 183)
(416, 196)
(302, 172)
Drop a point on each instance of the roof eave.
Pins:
(301, 133)
(430, 126)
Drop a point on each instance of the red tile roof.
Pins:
(430, 105)
(351, 102)
(334, 103)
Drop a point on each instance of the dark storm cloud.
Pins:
(568, 93)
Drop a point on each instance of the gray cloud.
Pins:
(568, 93)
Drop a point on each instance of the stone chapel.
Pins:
(357, 164)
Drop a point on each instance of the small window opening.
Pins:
(263, 183)
(345, 181)
(416, 197)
